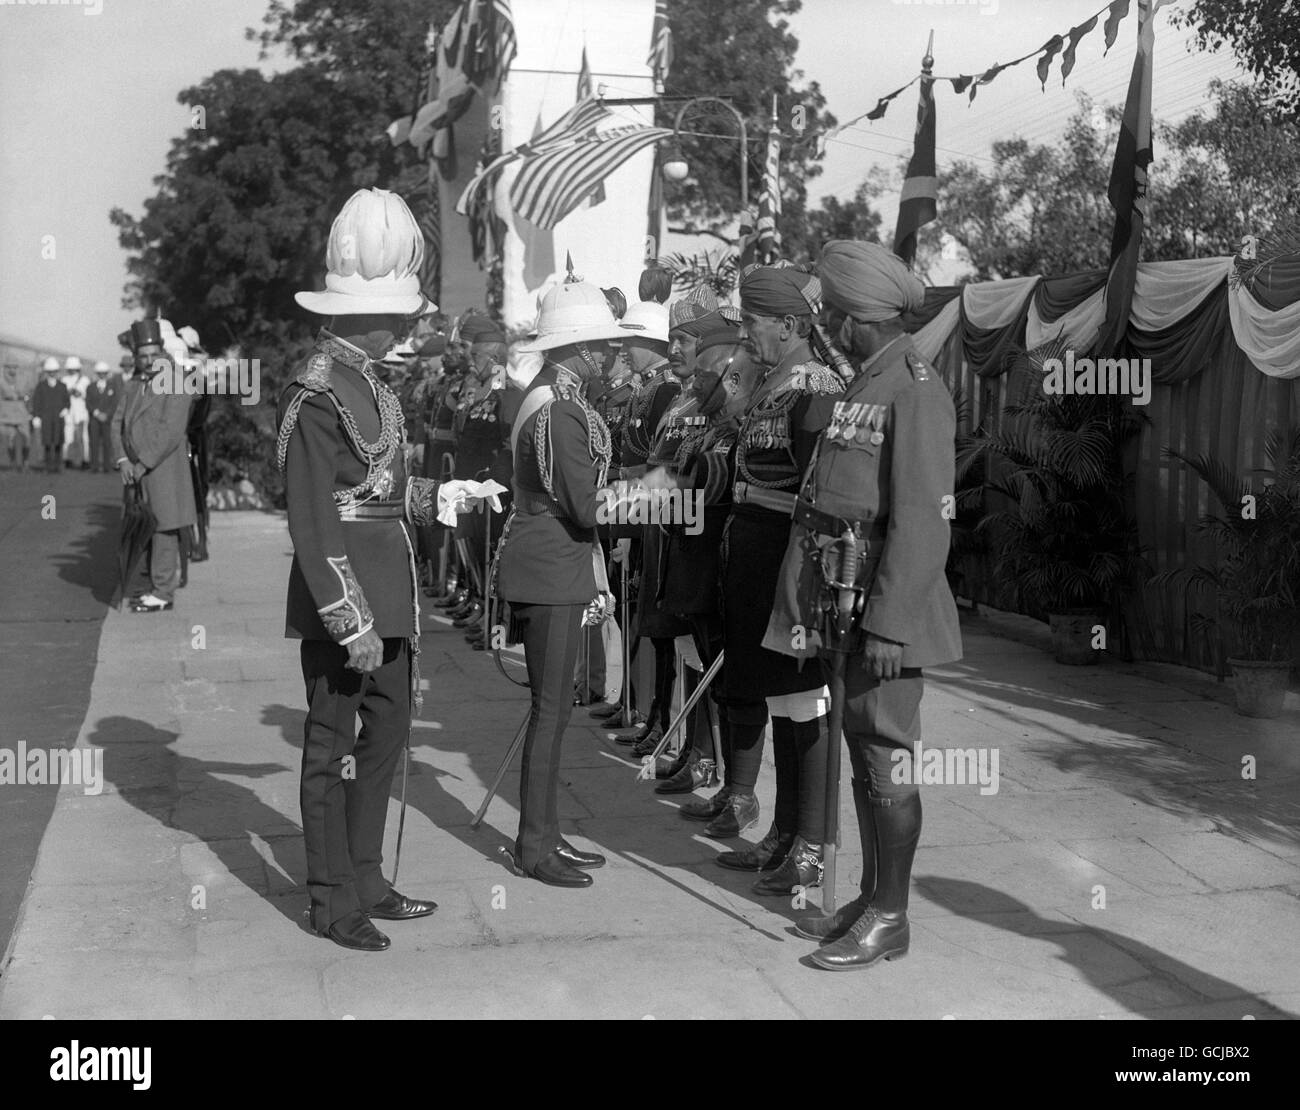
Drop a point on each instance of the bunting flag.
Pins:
(768, 238)
(1128, 184)
(429, 217)
(560, 167)
(660, 58)
(918, 203)
(587, 90)
(1065, 45)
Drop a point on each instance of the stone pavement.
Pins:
(1123, 868)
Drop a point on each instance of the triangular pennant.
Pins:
(1076, 33)
(959, 84)
(878, 112)
(1050, 49)
(1118, 10)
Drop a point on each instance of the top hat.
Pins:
(373, 261)
(146, 333)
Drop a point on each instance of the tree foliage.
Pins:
(744, 50)
(1264, 35)
(1217, 176)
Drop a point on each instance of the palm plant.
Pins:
(1067, 540)
(718, 270)
(1257, 578)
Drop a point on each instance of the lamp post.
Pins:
(676, 169)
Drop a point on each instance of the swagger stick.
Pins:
(684, 712)
(839, 623)
(515, 745)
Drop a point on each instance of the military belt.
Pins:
(536, 506)
(778, 501)
(372, 510)
(829, 525)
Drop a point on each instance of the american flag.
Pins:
(660, 59)
(769, 201)
(560, 167)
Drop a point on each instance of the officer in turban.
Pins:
(884, 471)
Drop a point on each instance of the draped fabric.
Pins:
(993, 318)
(1179, 311)
(1054, 297)
(937, 297)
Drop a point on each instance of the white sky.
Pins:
(88, 107)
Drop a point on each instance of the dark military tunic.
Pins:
(762, 470)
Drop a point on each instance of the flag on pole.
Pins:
(660, 59)
(767, 233)
(587, 91)
(918, 204)
(559, 168)
(1128, 184)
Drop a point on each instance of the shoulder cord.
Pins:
(378, 456)
(774, 405)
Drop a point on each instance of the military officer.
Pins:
(352, 587)
(788, 409)
(549, 565)
(884, 467)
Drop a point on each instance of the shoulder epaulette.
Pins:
(922, 371)
(315, 376)
(813, 377)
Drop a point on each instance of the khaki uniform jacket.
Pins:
(886, 460)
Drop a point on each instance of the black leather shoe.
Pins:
(398, 907)
(667, 766)
(354, 930)
(875, 936)
(695, 774)
(739, 812)
(706, 809)
(830, 927)
(452, 600)
(802, 867)
(473, 615)
(647, 740)
(554, 870)
(575, 858)
(767, 855)
(604, 710)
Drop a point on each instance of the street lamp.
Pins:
(676, 169)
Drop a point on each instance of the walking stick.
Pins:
(515, 744)
(685, 710)
(838, 624)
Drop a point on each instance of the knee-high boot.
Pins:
(830, 927)
(882, 932)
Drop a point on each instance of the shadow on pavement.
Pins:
(89, 560)
(196, 796)
(1080, 950)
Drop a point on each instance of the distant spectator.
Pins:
(656, 284)
(76, 422)
(15, 418)
(50, 403)
(101, 400)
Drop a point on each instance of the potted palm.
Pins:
(1064, 544)
(1256, 580)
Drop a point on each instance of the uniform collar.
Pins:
(340, 350)
(870, 366)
